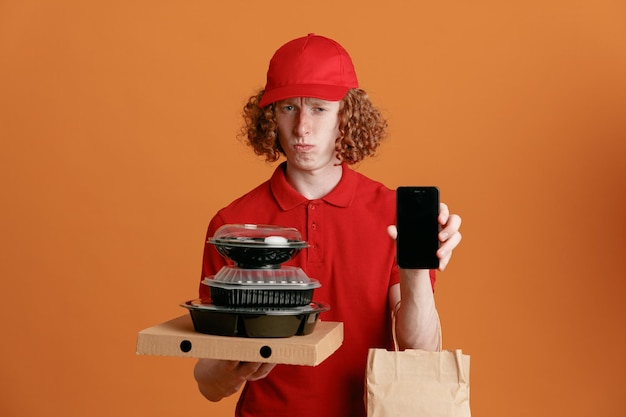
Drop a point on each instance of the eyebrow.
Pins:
(308, 100)
(317, 102)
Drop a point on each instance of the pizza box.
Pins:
(177, 337)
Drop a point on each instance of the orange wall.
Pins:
(118, 123)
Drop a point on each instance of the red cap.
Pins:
(311, 66)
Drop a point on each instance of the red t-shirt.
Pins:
(352, 256)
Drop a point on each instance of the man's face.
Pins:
(307, 131)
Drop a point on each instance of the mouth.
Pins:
(302, 147)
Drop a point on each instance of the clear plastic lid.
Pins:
(283, 278)
(256, 234)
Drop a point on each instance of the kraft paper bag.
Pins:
(417, 383)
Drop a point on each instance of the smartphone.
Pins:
(417, 209)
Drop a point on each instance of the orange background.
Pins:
(118, 123)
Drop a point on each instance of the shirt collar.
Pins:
(288, 198)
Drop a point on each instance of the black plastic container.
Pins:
(257, 246)
(260, 297)
(283, 287)
(250, 322)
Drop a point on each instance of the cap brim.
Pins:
(324, 92)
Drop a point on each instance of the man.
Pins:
(313, 113)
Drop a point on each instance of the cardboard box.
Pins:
(178, 338)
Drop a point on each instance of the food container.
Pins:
(283, 287)
(257, 297)
(257, 246)
(254, 322)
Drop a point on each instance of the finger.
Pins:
(444, 213)
(443, 262)
(445, 250)
(392, 231)
(449, 245)
(216, 378)
(205, 368)
(261, 372)
(450, 228)
(245, 369)
(254, 370)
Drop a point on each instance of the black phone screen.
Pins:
(417, 209)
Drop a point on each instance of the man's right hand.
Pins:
(220, 378)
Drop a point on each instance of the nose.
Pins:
(302, 126)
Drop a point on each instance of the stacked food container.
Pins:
(257, 296)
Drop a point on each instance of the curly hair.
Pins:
(361, 127)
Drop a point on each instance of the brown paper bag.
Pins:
(417, 383)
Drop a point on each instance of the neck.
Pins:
(314, 184)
